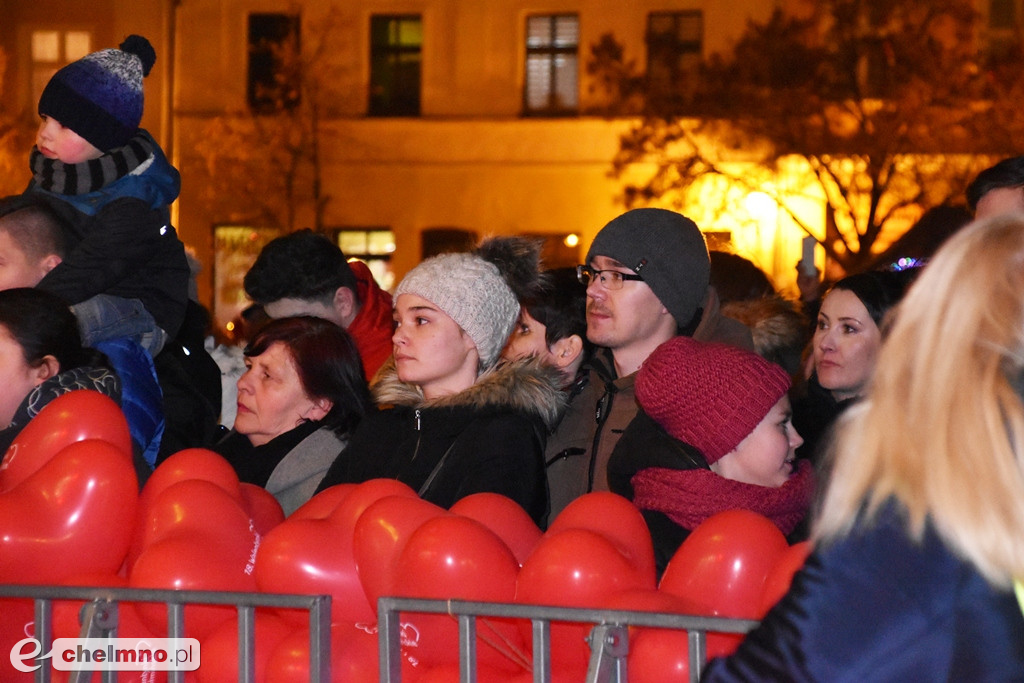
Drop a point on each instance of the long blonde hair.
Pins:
(941, 428)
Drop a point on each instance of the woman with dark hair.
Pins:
(845, 346)
(302, 394)
(42, 357)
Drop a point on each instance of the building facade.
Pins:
(417, 125)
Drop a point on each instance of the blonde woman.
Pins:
(921, 534)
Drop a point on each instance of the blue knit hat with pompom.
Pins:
(99, 96)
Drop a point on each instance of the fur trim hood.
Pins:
(525, 386)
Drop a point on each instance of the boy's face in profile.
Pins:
(54, 141)
(16, 270)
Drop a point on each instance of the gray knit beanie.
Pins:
(667, 250)
(473, 293)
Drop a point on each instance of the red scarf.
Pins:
(688, 497)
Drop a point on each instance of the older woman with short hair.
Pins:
(302, 394)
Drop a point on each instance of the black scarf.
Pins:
(88, 176)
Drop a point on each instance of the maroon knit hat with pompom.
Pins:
(710, 396)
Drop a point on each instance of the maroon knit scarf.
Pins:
(688, 497)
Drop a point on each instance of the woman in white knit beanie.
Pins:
(452, 420)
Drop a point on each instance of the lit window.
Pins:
(396, 52)
(374, 247)
(53, 49)
(273, 82)
(235, 248)
(552, 54)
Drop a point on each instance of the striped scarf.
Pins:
(89, 176)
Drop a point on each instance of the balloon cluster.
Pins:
(70, 514)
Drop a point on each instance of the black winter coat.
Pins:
(487, 438)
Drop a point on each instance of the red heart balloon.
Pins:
(191, 464)
(504, 517)
(69, 418)
(322, 504)
(659, 656)
(69, 516)
(313, 556)
(188, 464)
(453, 557)
(195, 535)
(219, 650)
(721, 567)
(362, 496)
(193, 560)
(316, 556)
(616, 518)
(380, 534)
(17, 622)
(576, 568)
(264, 510)
(781, 575)
(354, 656)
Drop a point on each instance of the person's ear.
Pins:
(566, 350)
(50, 262)
(318, 409)
(345, 304)
(47, 368)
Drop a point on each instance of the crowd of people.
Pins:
(677, 378)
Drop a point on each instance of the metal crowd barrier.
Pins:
(609, 638)
(99, 620)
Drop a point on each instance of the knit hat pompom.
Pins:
(479, 290)
(99, 96)
(141, 48)
(710, 396)
(667, 250)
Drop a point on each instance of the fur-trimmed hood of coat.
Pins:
(524, 386)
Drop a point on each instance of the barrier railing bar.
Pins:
(100, 614)
(176, 629)
(576, 614)
(698, 649)
(609, 638)
(541, 644)
(320, 640)
(467, 648)
(389, 646)
(48, 592)
(43, 614)
(246, 644)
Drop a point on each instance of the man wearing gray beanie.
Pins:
(648, 280)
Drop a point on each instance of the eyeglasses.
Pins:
(610, 279)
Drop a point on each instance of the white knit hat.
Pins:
(473, 293)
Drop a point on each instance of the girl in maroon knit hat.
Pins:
(713, 433)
